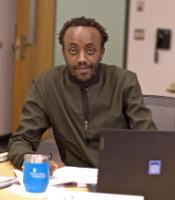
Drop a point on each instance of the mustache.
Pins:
(83, 65)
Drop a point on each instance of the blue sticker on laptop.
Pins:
(154, 167)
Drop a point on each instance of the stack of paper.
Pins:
(75, 175)
(6, 181)
(4, 156)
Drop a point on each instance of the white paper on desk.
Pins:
(74, 195)
(20, 190)
(19, 174)
(54, 193)
(78, 175)
(6, 181)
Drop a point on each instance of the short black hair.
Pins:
(83, 21)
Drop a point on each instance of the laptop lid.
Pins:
(138, 162)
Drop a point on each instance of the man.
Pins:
(79, 99)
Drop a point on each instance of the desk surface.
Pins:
(6, 169)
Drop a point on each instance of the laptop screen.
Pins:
(138, 162)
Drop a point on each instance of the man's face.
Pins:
(82, 51)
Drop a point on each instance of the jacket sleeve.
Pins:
(139, 116)
(33, 122)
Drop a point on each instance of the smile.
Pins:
(82, 67)
(83, 70)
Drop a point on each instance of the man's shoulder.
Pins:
(51, 73)
(118, 77)
(114, 70)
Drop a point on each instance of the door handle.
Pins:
(1, 45)
(19, 47)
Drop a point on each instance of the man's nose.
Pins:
(82, 57)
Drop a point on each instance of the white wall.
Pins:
(155, 78)
(111, 13)
(7, 36)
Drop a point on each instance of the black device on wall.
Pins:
(163, 38)
(163, 41)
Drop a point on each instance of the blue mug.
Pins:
(36, 172)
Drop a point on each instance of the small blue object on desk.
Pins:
(36, 172)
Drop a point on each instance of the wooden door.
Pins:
(32, 57)
(7, 37)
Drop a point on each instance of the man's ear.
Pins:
(102, 53)
(63, 52)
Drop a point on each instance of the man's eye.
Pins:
(73, 51)
(91, 51)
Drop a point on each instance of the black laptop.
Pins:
(138, 162)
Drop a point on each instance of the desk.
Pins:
(6, 169)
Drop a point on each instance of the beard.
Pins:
(76, 73)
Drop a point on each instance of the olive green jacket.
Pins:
(76, 114)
